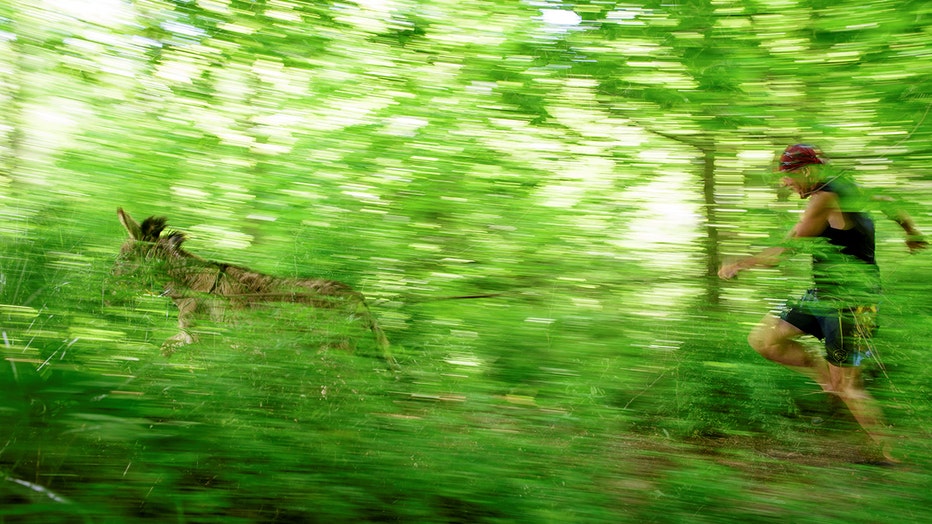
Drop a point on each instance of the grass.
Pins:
(499, 414)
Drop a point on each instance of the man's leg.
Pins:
(775, 340)
(846, 383)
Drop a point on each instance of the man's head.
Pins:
(796, 168)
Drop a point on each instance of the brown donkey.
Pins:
(193, 282)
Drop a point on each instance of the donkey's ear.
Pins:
(132, 227)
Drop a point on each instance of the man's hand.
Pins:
(767, 257)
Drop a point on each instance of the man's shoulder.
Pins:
(848, 196)
(823, 198)
(843, 184)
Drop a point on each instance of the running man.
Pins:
(840, 309)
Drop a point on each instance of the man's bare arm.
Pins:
(915, 240)
(812, 223)
(768, 257)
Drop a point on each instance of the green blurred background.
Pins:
(591, 163)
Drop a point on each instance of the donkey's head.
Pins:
(146, 247)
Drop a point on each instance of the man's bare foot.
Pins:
(879, 454)
(886, 450)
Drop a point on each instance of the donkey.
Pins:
(193, 282)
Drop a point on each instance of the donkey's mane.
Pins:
(176, 238)
(152, 227)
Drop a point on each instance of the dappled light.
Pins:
(448, 261)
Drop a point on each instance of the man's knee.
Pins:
(764, 335)
(762, 342)
(771, 336)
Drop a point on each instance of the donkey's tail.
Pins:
(381, 340)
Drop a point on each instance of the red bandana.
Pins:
(797, 156)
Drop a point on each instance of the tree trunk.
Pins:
(713, 260)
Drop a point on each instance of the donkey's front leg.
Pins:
(186, 309)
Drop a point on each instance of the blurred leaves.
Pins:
(584, 169)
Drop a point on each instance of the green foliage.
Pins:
(582, 177)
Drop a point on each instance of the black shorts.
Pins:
(846, 332)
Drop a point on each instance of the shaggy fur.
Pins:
(192, 282)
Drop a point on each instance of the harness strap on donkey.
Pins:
(221, 271)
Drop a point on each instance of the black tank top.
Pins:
(846, 269)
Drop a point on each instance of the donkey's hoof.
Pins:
(174, 342)
(182, 338)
